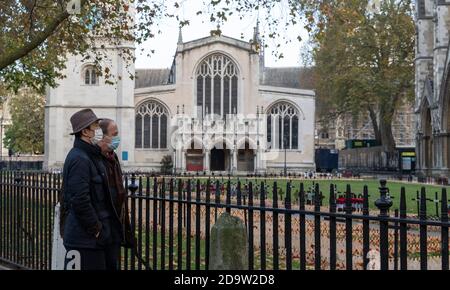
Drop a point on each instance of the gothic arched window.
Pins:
(90, 76)
(151, 126)
(217, 86)
(283, 126)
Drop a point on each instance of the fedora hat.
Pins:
(82, 120)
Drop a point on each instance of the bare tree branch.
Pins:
(10, 57)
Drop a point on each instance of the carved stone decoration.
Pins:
(432, 80)
(436, 120)
(419, 128)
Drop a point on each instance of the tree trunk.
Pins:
(386, 118)
(376, 128)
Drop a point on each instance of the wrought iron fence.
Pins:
(172, 219)
(27, 201)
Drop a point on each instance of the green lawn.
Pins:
(356, 187)
(166, 249)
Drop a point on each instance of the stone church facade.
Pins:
(432, 87)
(217, 109)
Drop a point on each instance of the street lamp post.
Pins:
(257, 141)
(207, 162)
(285, 151)
(234, 141)
(176, 144)
(203, 143)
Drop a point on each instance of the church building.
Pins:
(433, 88)
(216, 109)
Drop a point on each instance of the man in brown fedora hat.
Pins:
(91, 222)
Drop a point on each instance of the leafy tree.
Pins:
(37, 35)
(26, 132)
(364, 60)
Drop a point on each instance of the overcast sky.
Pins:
(164, 44)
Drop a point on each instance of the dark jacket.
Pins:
(119, 197)
(87, 199)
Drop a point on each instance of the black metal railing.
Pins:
(172, 219)
(14, 165)
(27, 201)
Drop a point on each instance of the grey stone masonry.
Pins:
(229, 244)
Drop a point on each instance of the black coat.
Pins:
(88, 201)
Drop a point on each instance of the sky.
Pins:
(164, 44)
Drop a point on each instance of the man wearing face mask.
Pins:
(92, 223)
(115, 179)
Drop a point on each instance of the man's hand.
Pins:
(96, 230)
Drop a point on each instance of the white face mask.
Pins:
(97, 137)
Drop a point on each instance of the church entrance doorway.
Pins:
(246, 159)
(194, 158)
(220, 159)
(428, 141)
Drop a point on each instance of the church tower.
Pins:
(432, 62)
(84, 88)
(424, 44)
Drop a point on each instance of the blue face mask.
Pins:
(115, 142)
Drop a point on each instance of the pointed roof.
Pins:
(256, 34)
(216, 39)
(151, 78)
(180, 36)
(288, 77)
